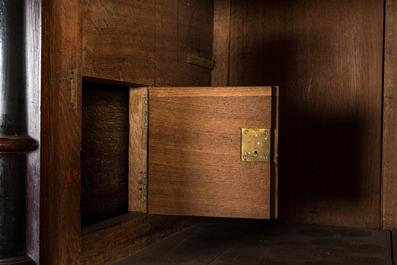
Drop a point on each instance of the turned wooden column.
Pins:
(14, 141)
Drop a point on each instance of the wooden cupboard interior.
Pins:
(194, 138)
(332, 61)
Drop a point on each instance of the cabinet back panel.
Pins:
(326, 56)
(104, 154)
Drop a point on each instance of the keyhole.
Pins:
(255, 153)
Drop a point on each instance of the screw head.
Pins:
(146, 124)
(144, 198)
(144, 187)
(246, 131)
(144, 176)
(265, 132)
(245, 157)
(265, 157)
(146, 113)
(258, 143)
(145, 101)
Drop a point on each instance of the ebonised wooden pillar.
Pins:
(14, 141)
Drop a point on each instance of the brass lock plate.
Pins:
(255, 145)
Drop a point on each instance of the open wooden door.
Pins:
(196, 165)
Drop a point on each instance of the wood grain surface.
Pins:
(137, 150)
(194, 152)
(147, 42)
(274, 152)
(143, 42)
(221, 43)
(327, 59)
(104, 153)
(389, 155)
(60, 219)
(126, 235)
(195, 59)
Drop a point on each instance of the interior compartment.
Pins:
(104, 153)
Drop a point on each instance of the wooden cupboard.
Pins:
(333, 62)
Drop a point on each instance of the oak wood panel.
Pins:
(183, 27)
(194, 152)
(118, 40)
(389, 157)
(327, 59)
(60, 226)
(104, 152)
(146, 42)
(221, 43)
(137, 150)
(115, 242)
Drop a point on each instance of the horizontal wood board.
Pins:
(194, 152)
(326, 56)
(147, 42)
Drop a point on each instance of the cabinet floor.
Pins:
(251, 242)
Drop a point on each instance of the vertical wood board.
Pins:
(194, 152)
(389, 156)
(274, 153)
(137, 150)
(221, 42)
(60, 186)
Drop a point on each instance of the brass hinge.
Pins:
(144, 187)
(72, 87)
(145, 112)
(255, 145)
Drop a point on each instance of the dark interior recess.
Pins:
(104, 154)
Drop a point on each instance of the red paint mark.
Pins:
(77, 174)
(72, 177)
